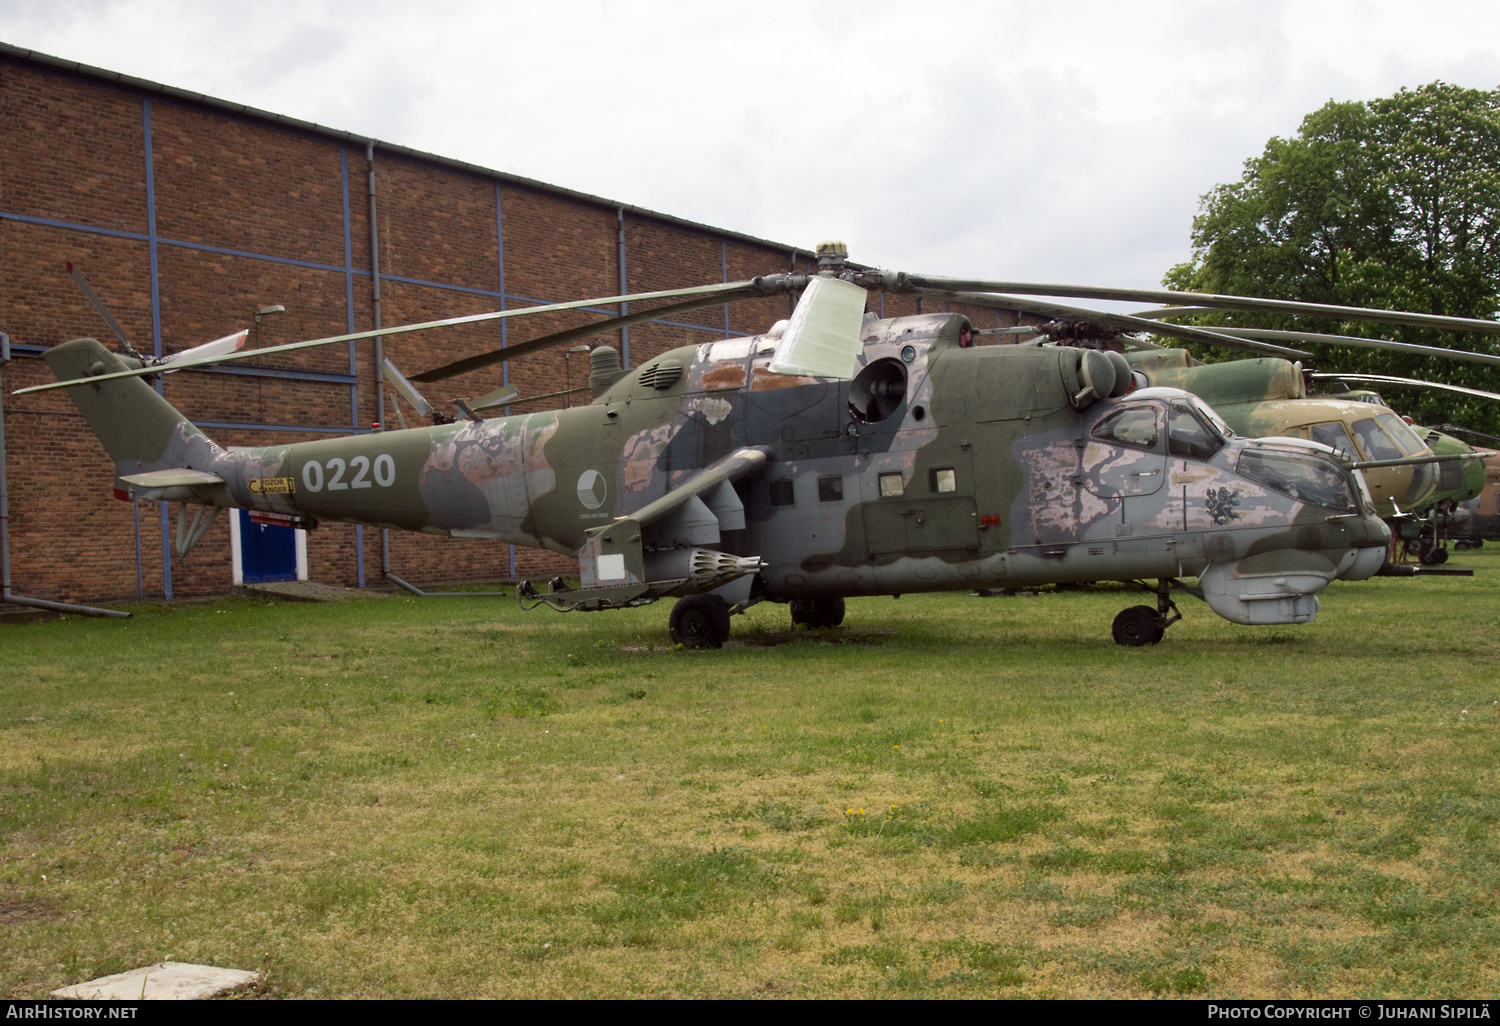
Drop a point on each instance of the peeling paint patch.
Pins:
(1049, 497)
(713, 410)
(723, 376)
(762, 380)
(490, 453)
(642, 450)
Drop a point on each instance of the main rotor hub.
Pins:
(831, 257)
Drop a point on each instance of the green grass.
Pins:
(950, 796)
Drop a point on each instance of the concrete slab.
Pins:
(306, 591)
(160, 981)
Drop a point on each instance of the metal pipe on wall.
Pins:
(4, 493)
(385, 534)
(624, 307)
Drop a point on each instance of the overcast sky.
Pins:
(1045, 141)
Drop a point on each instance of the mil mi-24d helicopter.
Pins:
(837, 455)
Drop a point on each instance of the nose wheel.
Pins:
(1142, 625)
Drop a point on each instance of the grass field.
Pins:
(948, 796)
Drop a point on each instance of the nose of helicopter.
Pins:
(1370, 556)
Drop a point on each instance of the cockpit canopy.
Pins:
(1191, 429)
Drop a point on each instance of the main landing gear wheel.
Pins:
(700, 621)
(817, 613)
(1136, 626)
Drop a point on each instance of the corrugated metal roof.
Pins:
(23, 56)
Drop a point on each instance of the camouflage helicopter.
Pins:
(838, 454)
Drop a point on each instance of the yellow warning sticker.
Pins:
(272, 485)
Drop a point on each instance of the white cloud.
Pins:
(1067, 141)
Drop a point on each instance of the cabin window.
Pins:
(781, 494)
(1189, 437)
(892, 486)
(943, 479)
(830, 489)
(1132, 425)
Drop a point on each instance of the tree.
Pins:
(1392, 203)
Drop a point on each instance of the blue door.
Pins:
(267, 553)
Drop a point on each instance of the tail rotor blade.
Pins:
(98, 305)
(406, 388)
(499, 397)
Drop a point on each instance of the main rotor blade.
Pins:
(1173, 311)
(218, 347)
(557, 338)
(1382, 379)
(897, 281)
(771, 284)
(1341, 340)
(1461, 430)
(98, 305)
(548, 395)
(822, 338)
(1121, 322)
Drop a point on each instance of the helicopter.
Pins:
(1273, 397)
(838, 454)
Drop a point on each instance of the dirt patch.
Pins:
(14, 913)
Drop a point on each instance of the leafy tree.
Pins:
(1393, 203)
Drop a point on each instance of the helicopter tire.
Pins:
(817, 613)
(700, 621)
(1136, 626)
(1434, 556)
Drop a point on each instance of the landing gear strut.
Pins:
(1142, 625)
(700, 621)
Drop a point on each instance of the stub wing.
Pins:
(661, 549)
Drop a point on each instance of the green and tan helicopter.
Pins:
(1427, 474)
(839, 454)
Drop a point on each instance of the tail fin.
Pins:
(139, 429)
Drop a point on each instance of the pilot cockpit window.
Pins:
(1374, 441)
(1304, 477)
(1335, 436)
(1132, 425)
(1410, 442)
(1188, 436)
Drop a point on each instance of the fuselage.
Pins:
(933, 467)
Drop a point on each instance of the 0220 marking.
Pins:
(314, 478)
